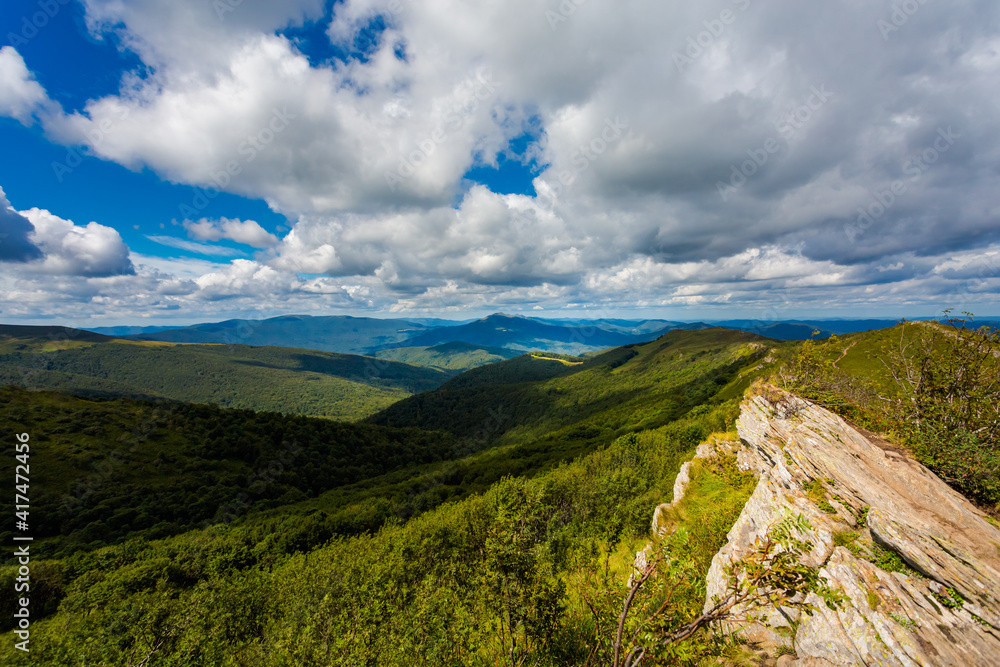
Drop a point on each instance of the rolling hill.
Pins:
(456, 355)
(348, 335)
(298, 381)
(526, 334)
(194, 522)
(584, 401)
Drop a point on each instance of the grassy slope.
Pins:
(291, 380)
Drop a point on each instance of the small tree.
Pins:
(773, 575)
(811, 368)
(948, 376)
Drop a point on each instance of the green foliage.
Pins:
(811, 363)
(383, 546)
(321, 384)
(816, 492)
(890, 561)
(845, 538)
(949, 382)
(449, 356)
(862, 516)
(775, 574)
(627, 389)
(675, 591)
(935, 387)
(904, 621)
(951, 598)
(962, 459)
(772, 576)
(105, 470)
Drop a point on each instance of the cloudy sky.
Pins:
(192, 160)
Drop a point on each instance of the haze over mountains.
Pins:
(344, 368)
(335, 367)
(374, 336)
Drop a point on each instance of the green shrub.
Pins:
(962, 460)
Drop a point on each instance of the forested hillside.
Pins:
(449, 356)
(107, 470)
(527, 333)
(494, 520)
(307, 382)
(579, 400)
(345, 334)
(476, 546)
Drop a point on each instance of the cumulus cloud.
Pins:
(15, 232)
(21, 97)
(93, 250)
(248, 232)
(728, 152)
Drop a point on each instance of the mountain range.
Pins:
(514, 333)
(269, 378)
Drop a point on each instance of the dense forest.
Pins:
(449, 356)
(278, 379)
(169, 531)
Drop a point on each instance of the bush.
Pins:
(962, 460)
(949, 380)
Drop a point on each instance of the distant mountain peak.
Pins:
(502, 316)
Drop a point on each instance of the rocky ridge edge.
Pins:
(811, 462)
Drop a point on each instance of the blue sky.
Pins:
(76, 67)
(172, 162)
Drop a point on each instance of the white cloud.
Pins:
(248, 232)
(15, 234)
(828, 116)
(21, 96)
(190, 246)
(92, 250)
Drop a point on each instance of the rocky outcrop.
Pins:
(705, 450)
(659, 527)
(865, 503)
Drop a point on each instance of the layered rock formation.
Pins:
(866, 503)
